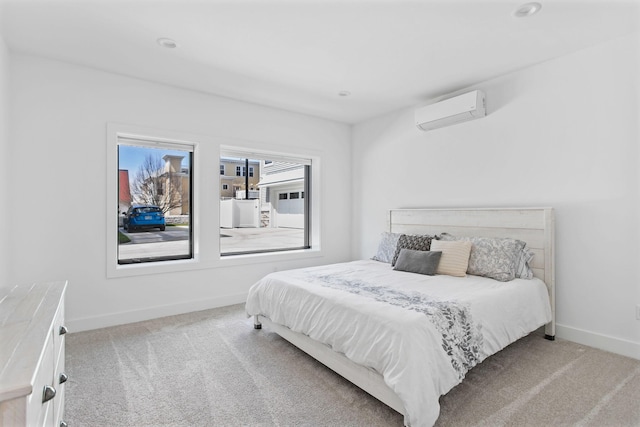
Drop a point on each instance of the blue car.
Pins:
(140, 217)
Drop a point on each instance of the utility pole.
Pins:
(246, 179)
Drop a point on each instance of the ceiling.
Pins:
(299, 54)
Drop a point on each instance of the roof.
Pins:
(282, 177)
(124, 191)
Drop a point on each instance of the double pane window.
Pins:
(264, 203)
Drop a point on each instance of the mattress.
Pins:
(421, 333)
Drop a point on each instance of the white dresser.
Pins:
(32, 340)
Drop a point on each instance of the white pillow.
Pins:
(523, 269)
(455, 257)
(387, 247)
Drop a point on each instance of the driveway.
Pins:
(175, 241)
(171, 234)
(155, 243)
(259, 239)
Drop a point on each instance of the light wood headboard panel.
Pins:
(535, 226)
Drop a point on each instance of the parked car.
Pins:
(140, 217)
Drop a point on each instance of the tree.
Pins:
(156, 185)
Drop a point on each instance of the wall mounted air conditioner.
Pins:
(461, 108)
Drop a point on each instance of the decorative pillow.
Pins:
(492, 257)
(412, 241)
(387, 246)
(523, 270)
(455, 257)
(421, 262)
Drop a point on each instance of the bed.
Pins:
(409, 338)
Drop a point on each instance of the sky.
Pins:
(130, 157)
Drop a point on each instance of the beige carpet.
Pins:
(211, 368)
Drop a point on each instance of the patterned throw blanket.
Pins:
(461, 339)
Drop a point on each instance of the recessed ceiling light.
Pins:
(527, 9)
(344, 93)
(168, 43)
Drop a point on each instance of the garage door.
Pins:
(290, 209)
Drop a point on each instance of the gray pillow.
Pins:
(492, 257)
(386, 247)
(417, 242)
(421, 262)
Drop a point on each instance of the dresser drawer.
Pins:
(40, 408)
(59, 331)
(60, 380)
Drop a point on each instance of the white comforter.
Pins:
(422, 333)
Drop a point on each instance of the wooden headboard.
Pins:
(535, 226)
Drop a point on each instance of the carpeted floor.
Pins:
(211, 368)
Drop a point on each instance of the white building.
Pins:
(282, 187)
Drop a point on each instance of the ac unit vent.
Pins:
(461, 108)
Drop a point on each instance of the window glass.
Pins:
(154, 202)
(266, 212)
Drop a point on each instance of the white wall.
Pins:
(60, 113)
(562, 134)
(5, 162)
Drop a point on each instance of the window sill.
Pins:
(233, 260)
(151, 268)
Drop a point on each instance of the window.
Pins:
(221, 169)
(267, 212)
(154, 201)
(235, 227)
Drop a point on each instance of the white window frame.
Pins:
(205, 201)
(115, 133)
(244, 151)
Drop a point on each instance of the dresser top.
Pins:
(26, 316)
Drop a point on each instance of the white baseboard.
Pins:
(603, 342)
(121, 318)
